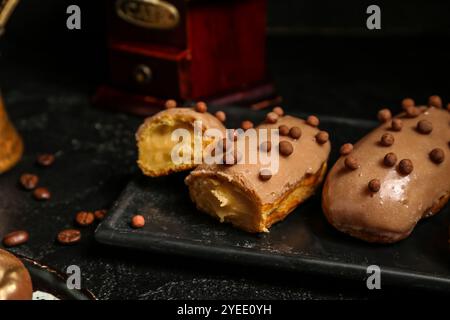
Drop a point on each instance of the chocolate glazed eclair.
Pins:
(251, 197)
(396, 175)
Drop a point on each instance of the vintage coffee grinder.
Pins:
(11, 145)
(211, 50)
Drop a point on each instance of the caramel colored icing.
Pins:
(391, 213)
(307, 159)
(15, 281)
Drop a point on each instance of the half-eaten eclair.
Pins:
(156, 143)
(253, 196)
(396, 175)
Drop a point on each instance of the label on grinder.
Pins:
(152, 14)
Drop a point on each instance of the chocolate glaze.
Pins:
(307, 158)
(391, 213)
(15, 281)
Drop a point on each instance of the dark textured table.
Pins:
(49, 101)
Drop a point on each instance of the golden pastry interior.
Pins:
(155, 143)
(232, 203)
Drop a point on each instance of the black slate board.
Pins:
(50, 281)
(303, 242)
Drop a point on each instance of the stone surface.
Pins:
(96, 158)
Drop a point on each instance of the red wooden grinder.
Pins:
(211, 50)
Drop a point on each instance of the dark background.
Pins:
(323, 60)
(303, 37)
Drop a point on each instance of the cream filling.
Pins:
(156, 145)
(224, 200)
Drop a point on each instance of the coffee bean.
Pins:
(374, 185)
(408, 103)
(313, 121)
(351, 163)
(390, 159)
(405, 166)
(424, 126)
(435, 101)
(69, 236)
(84, 218)
(246, 125)
(387, 140)
(284, 130)
(412, 112)
(29, 181)
(201, 107)
(279, 111)
(15, 238)
(346, 149)
(221, 116)
(384, 115)
(286, 148)
(271, 117)
(45, 159)
(437, 155)
(138, 221)
(295, 132)
(265, 174)
(265, 146)
(322, 137)
(100, 214)
(397, 125)
(42, 194)
(170, 104)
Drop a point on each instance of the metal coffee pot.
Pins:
(11, 145)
